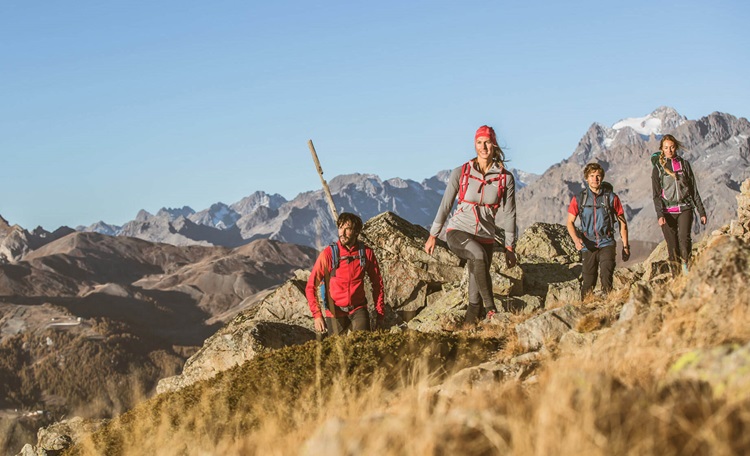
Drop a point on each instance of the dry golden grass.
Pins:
(379, 394)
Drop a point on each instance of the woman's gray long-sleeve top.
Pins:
(490, 214)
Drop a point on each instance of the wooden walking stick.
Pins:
(326, 190)
(323, 290)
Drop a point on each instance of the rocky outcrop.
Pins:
(741, 226)
(234, 344)
(547, 243)
(58, 437)
(549, 326)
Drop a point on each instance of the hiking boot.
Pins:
(685, 269)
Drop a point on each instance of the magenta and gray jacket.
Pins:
(488, 213)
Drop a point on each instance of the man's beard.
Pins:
(347, 241)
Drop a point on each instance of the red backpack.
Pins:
(463, 185)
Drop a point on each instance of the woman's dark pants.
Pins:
(479, 259)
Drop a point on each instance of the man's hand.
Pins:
(320, 324)
(625, 252)
(703, 220)
(510, 257)
(662, 221)
(578, 242)
(429, 246)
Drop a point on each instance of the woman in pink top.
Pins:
(675, 193)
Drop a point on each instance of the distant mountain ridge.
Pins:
(304, 220)
(716, 145)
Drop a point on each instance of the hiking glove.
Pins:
(510, 258)
(626, 253)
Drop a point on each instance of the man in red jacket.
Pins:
(344, 297)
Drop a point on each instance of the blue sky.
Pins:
(112, 107)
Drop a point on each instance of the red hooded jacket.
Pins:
(347, 287)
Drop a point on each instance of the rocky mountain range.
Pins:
(304, 220)
(717, 146)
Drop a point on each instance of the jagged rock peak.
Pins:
(175, 213)
(143, 216)
(249, 204)
(219, 215)
(357, 180)
(101, 227)
(4, 226)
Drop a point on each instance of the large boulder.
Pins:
(547, 243)
(719, 274)
(288, 303)
(548, 258)
(241, 340)
(409, 273)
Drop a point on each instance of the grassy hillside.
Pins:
(669, 380)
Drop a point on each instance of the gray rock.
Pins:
(637, 303)
(60, 436)
(445, 310)
(409, 273)
(526, 304)
(563, 293)
(551, 325)
(573, 341)
(28, 450)
(288, 303)
(484, 375)
(547, 243)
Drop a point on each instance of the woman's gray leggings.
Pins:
(479, 258)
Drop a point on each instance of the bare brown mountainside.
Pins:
(94, 321)
(717, 147)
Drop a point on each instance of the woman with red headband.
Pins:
(486, 203)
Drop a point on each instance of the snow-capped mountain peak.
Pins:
(663, 120)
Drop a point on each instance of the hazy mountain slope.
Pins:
(138, 307)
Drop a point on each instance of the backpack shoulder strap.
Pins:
(362, 257)
(583, 199)
(335, 258)
(463, 181)
(609, 193)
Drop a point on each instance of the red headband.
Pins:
(484, 130)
